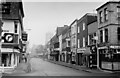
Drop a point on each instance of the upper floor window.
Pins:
(78, 43)
(105, 14)
(106, 35)
(16, 26)
(78, 29)
(84, 42)
(118, 33)
(83, 26)
(118, 12)
(94, 39)
(101, 16)
(6, 7)
(118, 8)
(101, 36)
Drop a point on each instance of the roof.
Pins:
(87, 15)
(73, 22)
(65, 30)
(118, 2)
(60, 29)
(20, 5)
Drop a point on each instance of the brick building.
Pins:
(82, 38)
(109, 35)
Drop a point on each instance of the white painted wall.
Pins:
(60, 42)
(8, 26)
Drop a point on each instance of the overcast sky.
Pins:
(42, 17)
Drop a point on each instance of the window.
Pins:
(68, 43)
(16, 27)
(105, 14)
(101, 36)
(78, 29)
(83, 41)
(118, 8)
(88, 39)
(6, 8)
(78, 43)
(101, 17)
(118, 12)
(83, 26)
(118, 33)
(94, 39)
(106, 35)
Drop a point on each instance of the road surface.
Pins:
(44, 68)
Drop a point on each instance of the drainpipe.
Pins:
(1, 24)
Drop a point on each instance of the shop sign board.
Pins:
(81, 50)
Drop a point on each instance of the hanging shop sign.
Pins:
(81, 50)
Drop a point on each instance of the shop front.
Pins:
(86, 57)
(69, 57)
(109, 58)
(54, 55)
(79, 56)
(73, 61)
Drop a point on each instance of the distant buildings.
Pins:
(92, 41)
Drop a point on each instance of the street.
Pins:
(44, 68)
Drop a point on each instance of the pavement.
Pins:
(83, 68)
(22, 68)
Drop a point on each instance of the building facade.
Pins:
(82, 38)
(12, 17)
(109, 38)
(92, 42)
(73, 40)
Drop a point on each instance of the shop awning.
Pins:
(87, 51)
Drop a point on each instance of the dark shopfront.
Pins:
(93, 57)
(109, 58)
(69, 57)
(54, 55)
